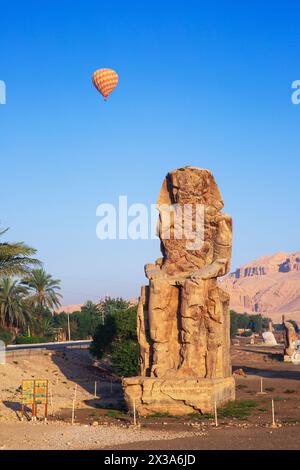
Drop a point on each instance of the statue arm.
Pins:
(222, 251)
(152, 271)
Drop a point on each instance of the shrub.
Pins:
(117, 339)
(31, 339)
(233, 323)
(125, 358)
(6, 336)
(238, 409)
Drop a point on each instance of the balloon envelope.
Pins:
(105, 80)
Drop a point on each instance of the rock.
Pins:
(95, 423)
(269, 285)
(269, 338)
(291, 342)
(183, 317)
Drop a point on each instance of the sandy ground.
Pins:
(28, 436)
(98, 425)
(226, 439)
(66, 372)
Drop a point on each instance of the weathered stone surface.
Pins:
(290, 338)
(179, 396)
(183, 319)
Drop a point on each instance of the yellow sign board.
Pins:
(35, 392)
(41, 392)
(28, 392)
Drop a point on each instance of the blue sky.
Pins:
(201, 84)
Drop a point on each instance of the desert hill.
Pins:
(270, 286)
(69, 308)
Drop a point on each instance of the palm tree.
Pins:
(16, 258)
(43, 290)
(14, 310)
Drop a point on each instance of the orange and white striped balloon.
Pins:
(105, 80)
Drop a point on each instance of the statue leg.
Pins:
(214, 320)
(163, 299)
(193, 331)
(143, 331)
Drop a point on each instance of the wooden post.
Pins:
(69, 331)
(261, 388)
(134, 413)
(216, 415)
(73, 411)
(46, 402)
(51, 395)
(95, 394)
(34, 406)
(273, 415)
(75, 393)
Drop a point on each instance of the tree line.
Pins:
(27, 293)
(254, 323)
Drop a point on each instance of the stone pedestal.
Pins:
(179, 396)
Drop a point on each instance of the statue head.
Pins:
(191, 185)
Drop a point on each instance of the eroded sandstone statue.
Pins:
(290, 339)
(183, 318)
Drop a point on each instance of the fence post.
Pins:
(216, 415)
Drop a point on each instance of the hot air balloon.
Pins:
(105, 80)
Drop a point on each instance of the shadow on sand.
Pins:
(105, 388)
(17, 408)
(269, 373)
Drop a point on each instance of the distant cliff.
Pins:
(270, 286)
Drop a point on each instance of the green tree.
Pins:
(110, 305)
(125, 358)
(83, 322)
(243, 321)
(44, 290)
(256, 323)
(233, 323)
(16, 258)
(117, 339)
(87, 320)
(265, 323)
(6, 336)
(14, 310)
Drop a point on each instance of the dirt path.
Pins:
(101, 422)
(227, 439)
(59, 436)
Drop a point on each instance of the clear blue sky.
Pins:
(207, 85)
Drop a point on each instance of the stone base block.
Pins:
(178, 396)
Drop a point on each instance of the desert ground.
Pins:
(101, 422)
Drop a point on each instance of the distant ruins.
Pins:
(183, 317)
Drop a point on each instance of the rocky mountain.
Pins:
(270, 286)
